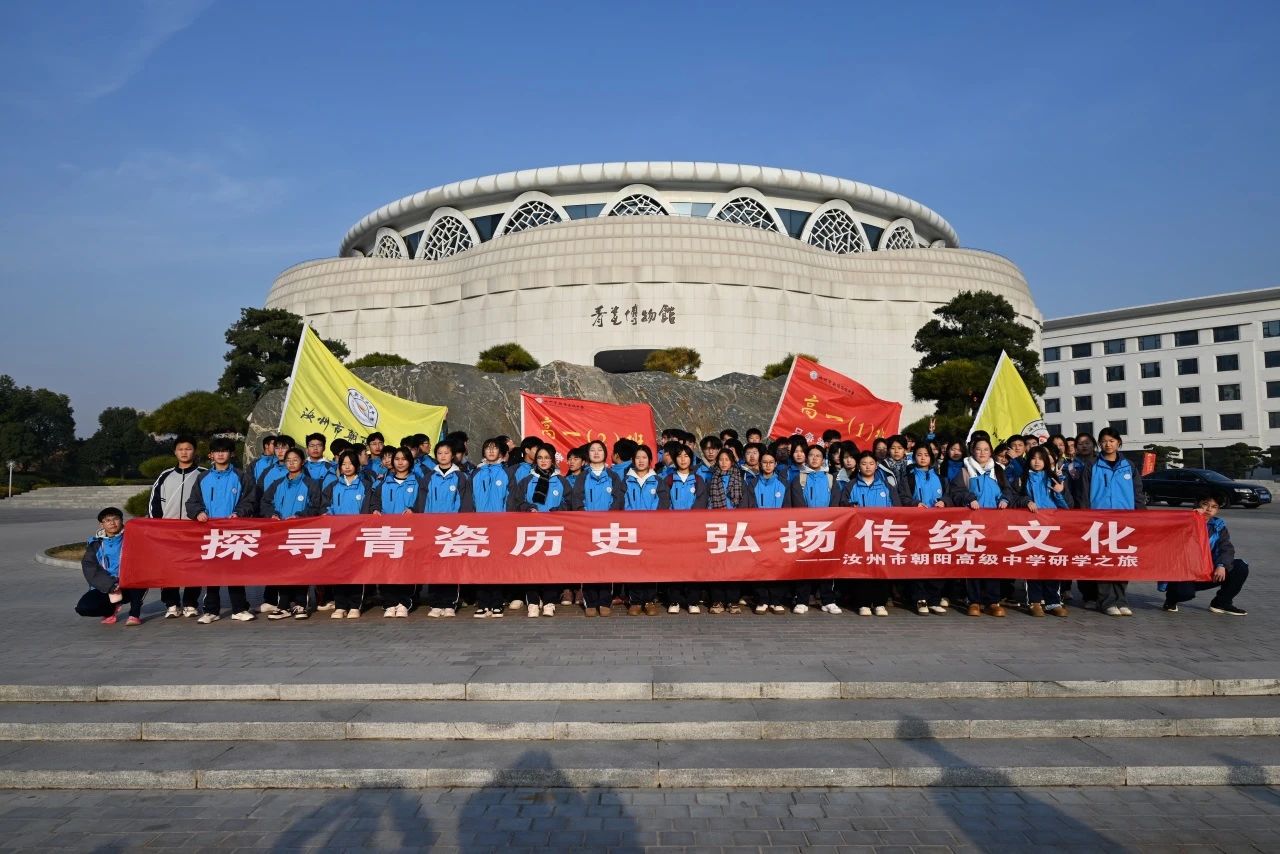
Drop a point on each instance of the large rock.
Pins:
(486, 404)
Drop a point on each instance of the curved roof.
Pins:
(659, 174)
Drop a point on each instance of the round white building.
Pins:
(599, 264)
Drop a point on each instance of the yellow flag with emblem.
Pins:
(325, 397)
(1008, 409)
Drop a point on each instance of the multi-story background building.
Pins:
(1188, 373)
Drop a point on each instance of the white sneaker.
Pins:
(243, 616)
(481, 614)
(435, 612)
(533, 611)
(1125, 611)
(206, 619)
(938, 609)
(548, 610)
(189, 611)
(833, 608)
(800, 609)
(338, 614)
(327, 606)
(171, 612)
(695, 609)
(389, 611)
(264, 608)
(864, 612)
(448, 612)
(353, 614)
(516, 604)
(1113, 611)
(943, 603)
(778, 609)
(673, 609)
(299, 612)
(496, 614)
(762, 609)
(402, 611)
(881, 611)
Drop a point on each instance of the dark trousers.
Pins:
(727, 593)
(213, 599)
(491, 597)
(290, 596)
(1045, 592)
(642, 594)
(1088, 590)
(774, 593)
(984, 591)
(396, 594)
(349, 597)
(324, 594)
(443, 595)
(597, 595)
(685, 595)
(546, 594)
(94, 603)
(927, 590)
(271, 595)
(869, 592)
(825, 591)
(187, 598)
(1185, 591)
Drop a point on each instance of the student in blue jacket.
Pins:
(349, 494)
(598, 488)
(448, 490)
(981, 485)
(687, 491)
(1110, 482)
(267, 459)
(492, 490)
(727, 490)
(295, 494)
(1229, 572)
(815, 486)
(543, 490)
(222, 492)
(872, 487)
(771, 492)
(1042, 489)
(399, 493)
(952, 462)
(924, 487)
(375, 444)
(316, 466)
(101, 567)
(645, 489)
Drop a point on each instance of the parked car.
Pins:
(1187, 486)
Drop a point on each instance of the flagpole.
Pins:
(783, 396)
(297, 358)
(986, 397)
(522, 394)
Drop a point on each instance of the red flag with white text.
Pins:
(816, 399)
(566, 422)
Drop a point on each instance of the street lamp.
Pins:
(1202, 465)
(12, 465)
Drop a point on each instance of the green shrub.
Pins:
(137, 505)
(152, 466)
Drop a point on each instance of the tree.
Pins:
(379, 360)
(37, 429)
(682, 362)
(961, 347)
(197, 413)
(120, 443)
(1237, 460)
(509, 358)
(264, 343)
(773, 370)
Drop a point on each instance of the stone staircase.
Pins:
(74, 497)
(631, 733)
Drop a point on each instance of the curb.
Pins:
(41, 557)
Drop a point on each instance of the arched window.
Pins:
(638, 204)
(835, 231)
(745, 210)
(447, 237)
(531, 214)
(900, 237)
(389, 244)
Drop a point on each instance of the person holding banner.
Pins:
(870, 488)
(771, 492)
(295, 494)
(687, 491)
(645, 490)
(925, 488)
(1109, 482)
(815, 487)
(400, 492)
(350, 493)
(1229, 572)
(222, 492)
(1042, 488)
(543, 490)
(981, 485)
(446, 489)
(598, 488)
(727, 490)
(491, 492)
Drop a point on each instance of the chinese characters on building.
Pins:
(619, 315)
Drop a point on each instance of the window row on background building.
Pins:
(1227, 422)
(1143, 343)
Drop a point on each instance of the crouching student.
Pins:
(771, 492)
(687, 491)
(727, 490)
(399, 493)
(981, 486)
(814, 486)
(448, 490)
(598, 488)
(645, 490)
(101, 566)
(295, 494)
(222, 492)
(351, 493)
(923, 487)
(491, 492)
(871, 487)
(543, 490)
(1229, 572)
(1042, 489)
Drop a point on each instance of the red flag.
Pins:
(1148, 462)
(566, 422)
(816, 399)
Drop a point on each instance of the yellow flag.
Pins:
(325, 397)
(1008, 408)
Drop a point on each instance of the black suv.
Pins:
(1187, 486)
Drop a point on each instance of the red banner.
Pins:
(693, 545)
(816, 399)
(566, 423)
(1148, 462)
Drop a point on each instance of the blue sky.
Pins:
(163, 161)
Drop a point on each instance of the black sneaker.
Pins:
(1171, 607)
(1228, 609)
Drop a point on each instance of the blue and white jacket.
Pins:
(770, 491)
(522, 497)
(101, 561)
(602, 490)
(221, 494)
(289, 497)
(348, 499)
(814, 488)
(647, 493)
(491, 487)
(878, 493)
(688, 492)
(1110, 486)
(448, 491)
(396, 496)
